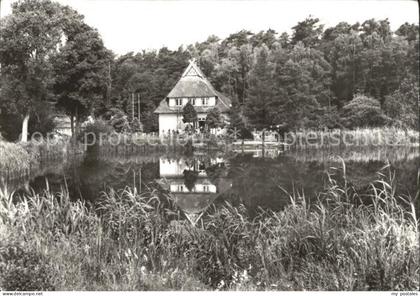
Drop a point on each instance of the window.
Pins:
(205, 101)
(178, 102)
(206, 188)
(192, 101)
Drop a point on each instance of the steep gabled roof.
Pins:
(193, 83)
(193, 70)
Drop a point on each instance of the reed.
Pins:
(132, 241)
(14, 160)
(357, 154)
(360, 137)
(24, 159)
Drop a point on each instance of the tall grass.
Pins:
(364, 137)
(14, 160)
(23, 159)
(358, 154)
(132, 241)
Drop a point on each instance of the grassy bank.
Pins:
(21, 159)
(358, 154)
(129, 241)
(15, 161)
(361, 137)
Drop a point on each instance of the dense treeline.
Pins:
(346, 76)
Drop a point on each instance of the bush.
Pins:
(136, 126)
(237, 127)
(150, 121)
(93, 130)
(118, 120)
(190, 177)
(24, 270)
(363, 111)
(189, 115)
(41, 122)
(324, 118)
(11, 126)
(13, 158)
(214, 118)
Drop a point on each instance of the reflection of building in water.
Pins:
(257, 151)
(270, 153)
(205, 186)
(188, 180)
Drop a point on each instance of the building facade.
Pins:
(192, 87)
(197, 194)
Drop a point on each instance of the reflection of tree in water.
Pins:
(99, 175)
(190, 177)
(261, 182)
(258, 182)
(361, 174)
(216, 171)
(407, 177)
(56, 176)
(88, 177)
(255, 182)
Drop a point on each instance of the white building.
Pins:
(192, 87)
(195, 197)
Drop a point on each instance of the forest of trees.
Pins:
(346, 76)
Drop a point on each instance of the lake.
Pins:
(197, 181)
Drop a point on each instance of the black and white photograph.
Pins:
(209, 145)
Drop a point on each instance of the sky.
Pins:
(135, 25)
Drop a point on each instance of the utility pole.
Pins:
(109, 88)
(132, 105)
(138, 104)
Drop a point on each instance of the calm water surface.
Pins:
(200, 180)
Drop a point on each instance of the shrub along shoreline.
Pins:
(14, 160)
(22, 159)
(131, 241)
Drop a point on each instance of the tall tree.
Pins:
(308, 32)
(82, 70)
(214, 118)
(410, 32)
(344, 55)
(29, 37)
(402, 104)
(301, 82)
(189, 115)
(260, 90)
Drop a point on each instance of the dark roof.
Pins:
(192, 86)
(193, 83)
